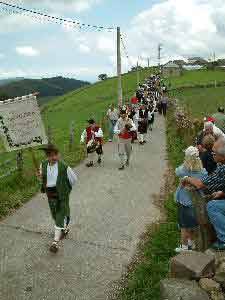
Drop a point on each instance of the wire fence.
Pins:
(9, 167)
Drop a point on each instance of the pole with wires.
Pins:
(120, 91)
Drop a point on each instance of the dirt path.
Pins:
(110, 210)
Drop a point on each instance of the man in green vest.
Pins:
(57, 181)
(220, 119)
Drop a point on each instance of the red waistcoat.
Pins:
(89, 134)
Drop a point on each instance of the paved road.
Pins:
(110, 209)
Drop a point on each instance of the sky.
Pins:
(37, 48)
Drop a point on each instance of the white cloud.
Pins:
(27, 51)
(84, 49)
(59, 5)
(185, 28)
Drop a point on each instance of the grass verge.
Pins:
(143, 281)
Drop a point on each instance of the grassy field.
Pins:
(202, 102)
(197, 77)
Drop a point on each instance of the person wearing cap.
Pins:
(93, 136)
(187, 221)
(124, 128)
(219, 118)
(57, 180)
(214, 185)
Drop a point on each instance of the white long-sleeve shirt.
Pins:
(120, 125)
(98, 134)
(52, 175)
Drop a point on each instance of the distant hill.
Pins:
(47, 87)
(9, 80)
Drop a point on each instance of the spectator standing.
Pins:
(192, 166)
(112, 115)
(164, 103)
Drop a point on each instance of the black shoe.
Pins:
(141, 143)
(99, 161)
(90, 164)
(121, 168)
(54, 247)
(65, 232)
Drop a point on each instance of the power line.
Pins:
(15, 9)
(125, 50)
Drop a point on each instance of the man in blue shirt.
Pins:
(215, 184)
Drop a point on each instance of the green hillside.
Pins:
(47, 87)
(78, 106)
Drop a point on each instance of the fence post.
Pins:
(72, 134)
(49, 134)
(215, 84)
(19, 161)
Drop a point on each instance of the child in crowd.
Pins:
(57, 180)
(192, 166)
(206, 155)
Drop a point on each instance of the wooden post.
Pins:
(120, 91)
(34, 160)
(215, 84)
(205, 234)
(19, 161)
(49, 134)
(72, 135)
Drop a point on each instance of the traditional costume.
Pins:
(93, 136)
(124, 128)
(142, 124)
(57, 181)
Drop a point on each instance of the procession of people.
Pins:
(127, 125)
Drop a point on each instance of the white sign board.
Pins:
(21, 124)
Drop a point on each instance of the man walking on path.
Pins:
(164, 103)
(93, 136)
(112, 116)
(220, 119)
(124, 128)
(142, 124)
(57, 181)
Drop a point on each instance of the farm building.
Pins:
(171, 69)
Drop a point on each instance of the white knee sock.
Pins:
(58, 232)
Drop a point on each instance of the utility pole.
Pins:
(159, 56)
(138, 75)
(148, 62)
(120, 92)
